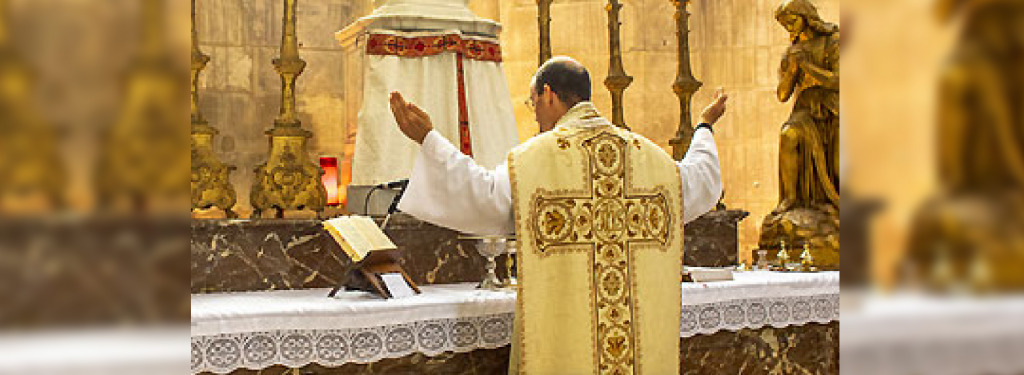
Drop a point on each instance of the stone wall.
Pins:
(735, 44)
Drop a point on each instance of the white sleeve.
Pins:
(449, 189)
(702, 176)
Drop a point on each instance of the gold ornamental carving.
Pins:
(143, 166)
(211, 184)
(30, 165)
(289, 180)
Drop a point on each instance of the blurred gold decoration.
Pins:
(289, 180)
(143, 167)
(511, 271)
(783, 256)
(968, 236)
(806, 259)
(211, 185)
(617, 80)
(686, 84)
(30, 165)
(808, 209)
(544, 23)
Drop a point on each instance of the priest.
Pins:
(598, 213)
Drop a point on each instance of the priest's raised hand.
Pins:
(413, 121)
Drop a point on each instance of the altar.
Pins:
(451, 325)
(259, 286)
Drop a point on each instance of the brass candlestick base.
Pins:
(211, 184)
(288, 180)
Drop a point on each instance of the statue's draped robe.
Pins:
(598, 217)
(816, 115)
(449, 189)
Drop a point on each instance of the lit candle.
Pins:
(330, 179)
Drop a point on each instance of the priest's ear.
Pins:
(546, 94)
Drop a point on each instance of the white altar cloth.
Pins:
(94, 351)
(909, 333)
(298, 327)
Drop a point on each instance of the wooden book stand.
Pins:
(366, 275)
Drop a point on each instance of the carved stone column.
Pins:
(685, 85)
(544, 24)
(211, 185)
(288, 180)
(617, 80)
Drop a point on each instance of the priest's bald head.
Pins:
(559, 84)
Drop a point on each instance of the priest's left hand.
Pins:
(413, 121)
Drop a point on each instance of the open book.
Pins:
(358, 236)
(375, 257)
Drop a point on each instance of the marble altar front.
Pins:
(274, 254)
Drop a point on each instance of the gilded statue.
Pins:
(808, 208)
(967, 236)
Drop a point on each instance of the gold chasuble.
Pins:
(598, 216)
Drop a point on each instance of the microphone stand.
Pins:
(402, 184)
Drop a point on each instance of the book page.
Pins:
(396, 285)
(373, 234)
(354, 243)
(358, 236)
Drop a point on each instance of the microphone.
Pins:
(397, 184)
(401, 185)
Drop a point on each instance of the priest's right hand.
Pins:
(413, 121)
(716, 109)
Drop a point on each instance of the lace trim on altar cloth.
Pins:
(778, 312)
(224, 353)
(297, 348)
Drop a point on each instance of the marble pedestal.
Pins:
(712, 239)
